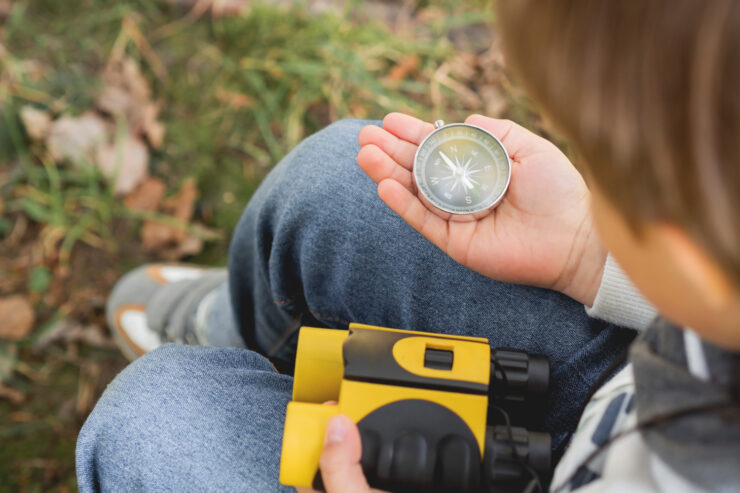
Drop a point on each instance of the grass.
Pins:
(237, 93)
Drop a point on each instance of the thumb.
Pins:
(518, 140)
(340, 459)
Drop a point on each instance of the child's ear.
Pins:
(696, 266)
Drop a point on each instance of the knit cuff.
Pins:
(618, 301)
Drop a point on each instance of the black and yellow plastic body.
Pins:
(370, 370)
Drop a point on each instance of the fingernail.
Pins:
(335, 430)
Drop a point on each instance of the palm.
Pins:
(531, 232)
(533, 237)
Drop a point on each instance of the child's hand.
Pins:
(541, 234)
(340, 460)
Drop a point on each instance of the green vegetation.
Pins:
(238, 92)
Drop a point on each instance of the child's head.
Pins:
(648, 93)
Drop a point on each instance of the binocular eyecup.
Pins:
(511, 455)
(519, 385)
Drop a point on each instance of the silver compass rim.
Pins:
(434, 201)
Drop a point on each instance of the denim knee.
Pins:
(342, 130)
(175, 372)
(319, 180)
(308, 203)
(327, 161)
(177, 405)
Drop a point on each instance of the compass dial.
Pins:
(462, 169)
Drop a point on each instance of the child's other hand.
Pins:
(541, 234)
(340, 460)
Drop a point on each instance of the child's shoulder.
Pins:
(660, 424)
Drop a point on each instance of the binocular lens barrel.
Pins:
(509, 453)
(519, 384)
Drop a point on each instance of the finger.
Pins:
(410, 208)
(379, 166)
(340, 459)
(399, 150)
(407, 127)
(519, 141)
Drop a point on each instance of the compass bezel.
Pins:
(436, 202)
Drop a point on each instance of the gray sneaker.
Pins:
(159, 303)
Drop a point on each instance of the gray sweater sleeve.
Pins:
(618, 301)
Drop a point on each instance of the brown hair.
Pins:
(648, 92)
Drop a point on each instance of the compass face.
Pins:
(462, 169)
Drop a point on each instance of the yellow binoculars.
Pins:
(421, 402)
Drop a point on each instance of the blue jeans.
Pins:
(315, 246)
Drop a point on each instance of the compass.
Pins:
(461, 170)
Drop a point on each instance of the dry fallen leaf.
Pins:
(223, 8)
(153, 129)
(156, 236)
(147, 196)
(169, 241)
(13, 395)
(16, 317)
(87, 139)
(134, 80)
(408, 65)
(114, 99)
(235, 100)
(191, 245)
(5, 7)
(37, 122)
(182, 205)
(126, 161)
(126, 93)
(76, 139)
(217, 8)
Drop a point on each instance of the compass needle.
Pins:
(448, 161)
